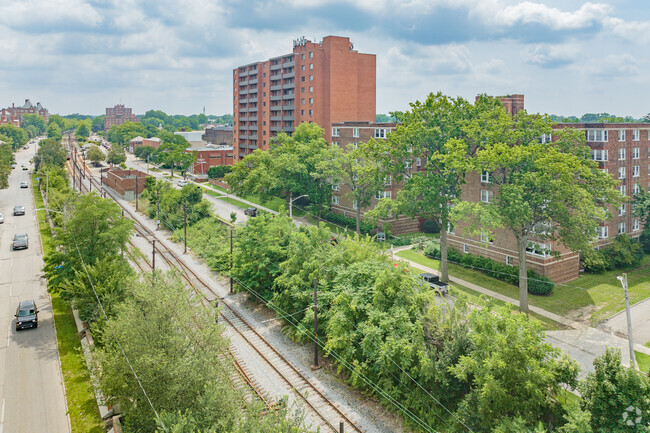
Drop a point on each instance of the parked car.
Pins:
(26, 146)
(251, 211)
(21, 242)
(2, 218)
(24, 184)
(181, 183)
(26, 315)
(25, 167)
(434, 282)
(19, 210)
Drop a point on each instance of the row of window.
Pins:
(603, 231)
(379, 132)
(603, 154)
(602, 135)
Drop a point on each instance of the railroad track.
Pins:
(329, 414)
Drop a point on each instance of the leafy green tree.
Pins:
(83, 130)
(50, 151)
(611, 390)
(97, 123)
(513, 372)
(116, 155)
(219, 171)
(144, 152)
(173, 343)
(94, 230)
(6, 158)
(641, 209)
(31, 131)
(17, 136)
(121, 134)
(95, 155)
(55, 118)
(542, 191)
(34, 120)
(445, 133)
(360, 170)
(54, 131)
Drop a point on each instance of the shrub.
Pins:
(594, 262)
(622, 253)
(644, 239)
(537, 284)
(219, 171)
(350, 223)
(431, 226)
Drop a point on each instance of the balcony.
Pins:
(252, 110)
(289, 75)
(243, 110)
(275, 107)
(289, 96)
(290, 64)
(252, 72)
(243, 101)
(252, 91)
(288, 129)
(288, 86)
(275, 118)
(243, 74)
(275, 67)
(276, 77)
(288, 107)
(242, 154)
(288, 118)
(276, 98)
(252, 137)
(252, 128)
(252, 81)
(243, 137)
(252, 100)
(276, 87)
(243, 83)
(243, 92)
(275, 129)
(252, 119)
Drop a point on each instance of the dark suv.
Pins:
(26, 315)
(434, 282)
(251, 211)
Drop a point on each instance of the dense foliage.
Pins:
(622, 253)
(219, 171)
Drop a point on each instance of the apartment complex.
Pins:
(118, 115)
(324, 83)
(351, 133)
(14, 115)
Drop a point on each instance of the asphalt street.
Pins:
(640, 313)
(31, 389)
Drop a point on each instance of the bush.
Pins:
(644, 239)
(537, 284)
(622, 253)
(431, 226)
(350, 223)
(219, 171)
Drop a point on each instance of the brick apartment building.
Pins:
(14, 115)
(118, 115)
(346, 133)
(210, 156)
(219, 135)
(621, 149)
(325, 83)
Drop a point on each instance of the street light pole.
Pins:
(291, 203)
(623, 280)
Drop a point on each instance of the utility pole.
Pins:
(136, 192)
(185, 228)
(153, 256)
(623, 280)
(231, 260)
(341, 427)
(158, 207)
(315, 366)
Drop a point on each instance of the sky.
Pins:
(567, 57)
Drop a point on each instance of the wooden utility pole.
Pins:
(185, 228)
(231, 260)
(315, 366)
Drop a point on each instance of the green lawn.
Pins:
(218, 188)
(239, 204)
(212, 193)
(644, 361)
(600, 295)
(82, 407)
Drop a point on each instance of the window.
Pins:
(622, 189)
(302, 112)
(311, 54)
(545, 138)
(603, 232)
(408, 164)
(311, 101)
(621, 210)
(621, 154)
(302, 57)
(311, 89)
(621, 228)
(335, 132)
(418, 162)
(335, 187)
(302, 68)
(636, 135)
(599, 155)
(621, 172)
(537, 249)
(485, 177)
(510, 261)
(605, 170)
(355, 145)
(311, 66)
(311, 112)
(597, 135)
(302, 78)
(388, 181)
(335, 199)
(302, 101)
(380, 133)
(311, 78)
(355, 132)
(450, 228)
(636, 171)
(354, 204)
(302, 90)
(486, 196)
(636, 225)
(465, 248)
(636, 152)
(383, 194)
(636, 189)
(486, 238)
(621, 135)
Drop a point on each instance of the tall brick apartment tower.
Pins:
(324, 82)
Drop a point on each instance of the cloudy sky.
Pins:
(566, 56)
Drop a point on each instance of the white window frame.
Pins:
(621, 228)
(418, 162)
(621, 154)
(636, 135)
(380, 133)
(336, 132)
(336, 187)
(622, 189)
(486, 239)
(335, 199)
(545, 138)
(510, 261)
(354, 204)
(621, 173)
(485, 177)
(465, 248)
(355, 132)
(621, 135)
(388, 181)
(603, 232)
(636, 188)
(450, 228)
(622, 209)
(599, 135)
(636, 153)
(636, 171)
(486, 196)
(538, 249)
(599, 154)
(636, 225)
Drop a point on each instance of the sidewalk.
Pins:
(580, 333)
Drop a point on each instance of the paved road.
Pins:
(31, 389)
(640, 313)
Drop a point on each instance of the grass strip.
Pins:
(239, 204)
(82, 406)
(643, 361)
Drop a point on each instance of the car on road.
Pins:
(2, 218)
(434, 282)
(26, 146)
(25, 167)
(181, 183)
(21, 242)
(251, 211)
(26, 315)
(19, 210)
(24, 184)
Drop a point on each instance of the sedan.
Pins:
(21, 242)
(26, 315)
(25, 167)
(2, 218)
(19, 210)
(24, 185)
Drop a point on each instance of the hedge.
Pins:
(537, 284)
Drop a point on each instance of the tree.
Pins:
(359, 169)
(616, 396)
(6, 157)
(116, 155)
(550, 191)
(144, 152)
(50, 151)
(33, 120)
(54, 131)
(445, 133)
(17, 136)
(219, 171)
(173, 343)
(97, 123)
(83, 130)
(55, 118)
(646, 118)
(95, 155)
(641, 209)
(121, 134)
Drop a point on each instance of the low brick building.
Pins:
(218, 135)
(126, 183)
(138, 141)
(207, 157)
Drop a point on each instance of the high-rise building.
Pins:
(324, 83)
(14, 115)
(118, 115)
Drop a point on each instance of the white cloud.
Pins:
(529, 12)
(46, 13)
(630, 30)
(550, 55)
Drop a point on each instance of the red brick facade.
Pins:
(118, 115)
(14, 115)
(323, 82)
(125, 182)
(210, 157)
